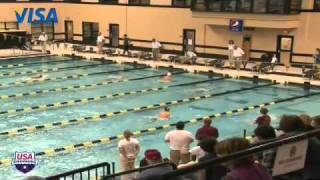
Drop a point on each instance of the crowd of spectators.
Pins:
(253, 167)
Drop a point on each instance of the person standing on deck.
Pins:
(43, 38)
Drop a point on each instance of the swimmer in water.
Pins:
(37, 78)
(167, 78)
(165, 115)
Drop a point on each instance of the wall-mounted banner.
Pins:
(236, 25)
(290, 157)
(39, 15)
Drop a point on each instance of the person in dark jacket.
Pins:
(126, 45)
(207, 131)
(215, 172)
(154, 157)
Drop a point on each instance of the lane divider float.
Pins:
(76, 76)
(12, 74)
(20, 65)
(104, 116)
(76, 87)
(107, 140)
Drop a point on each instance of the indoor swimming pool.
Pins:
(81, 101)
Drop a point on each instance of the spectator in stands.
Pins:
(207, 131)
(215, 172)
(237, 55)
(291, 125)
(306, 119)
(43, 38)
(264, 119)
(155, 49)
(129, 149)
(126, 45)
(316, 122)
(165, 115)
(241, 168)
(262, 134)
(154, 157)
(197, 152)
(100, 42)
(144, 161)
(179, 141)
(230, 52)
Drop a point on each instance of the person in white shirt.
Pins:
(179, 141)
(230, 52)
(43, 38)
(191, 57)
(100, 42)
(129, 149)
(155, 49)
(237, 55)
(274, 61)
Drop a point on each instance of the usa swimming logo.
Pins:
(25, 161)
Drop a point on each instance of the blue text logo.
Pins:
(39, 15)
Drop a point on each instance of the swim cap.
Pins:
(153, 155)
(169, 74)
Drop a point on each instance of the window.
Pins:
(317, 5)
(139, 2)
(181, 3)
(250, 6)
(214, 5)
(90, 32)
(276, 6)
(260, 6)
(244, 5)
(229, 5)
(37, 28)
(295, 6)
(109, 1)
(199, 5)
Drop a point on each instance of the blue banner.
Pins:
(236, 25)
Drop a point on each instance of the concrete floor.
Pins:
(66, 48)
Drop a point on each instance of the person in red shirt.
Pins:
(264, 120)
(207, 131)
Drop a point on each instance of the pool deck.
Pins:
(283, 79)
(14, 53)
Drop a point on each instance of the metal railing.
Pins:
(134, 172)
(253, 150)
(86, 173)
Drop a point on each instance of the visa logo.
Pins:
(38, 15)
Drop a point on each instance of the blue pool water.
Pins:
(88, 131)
